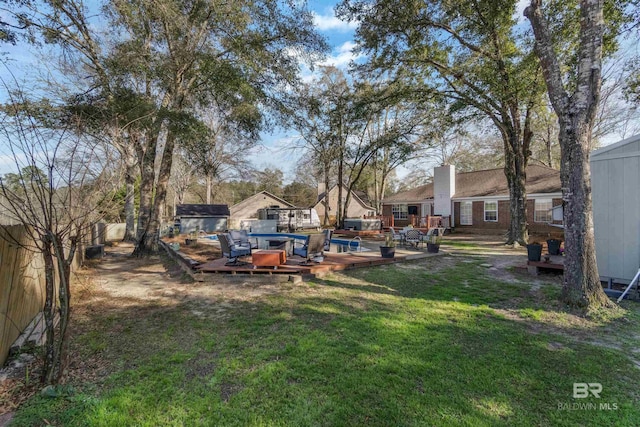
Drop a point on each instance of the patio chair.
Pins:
(327, 239)
(395, 235)
(231, 251)
(433, 235)
(241, 238)
(413, 237)
(313, 245)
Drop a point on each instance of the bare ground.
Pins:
(117, 286)
(120, 286)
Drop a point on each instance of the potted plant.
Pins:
(433, 242)
(534, 251)
(192, 239)
(388, 250)
(553, 246)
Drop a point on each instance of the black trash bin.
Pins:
(534, 251)
(553, 246)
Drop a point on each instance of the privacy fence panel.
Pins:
(22, 287)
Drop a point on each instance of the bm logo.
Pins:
(583, 390)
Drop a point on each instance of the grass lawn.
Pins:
(432, 342)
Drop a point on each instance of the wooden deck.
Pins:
(556, 262)
(293, 270)
(294, 265)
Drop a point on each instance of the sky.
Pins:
(276, 151)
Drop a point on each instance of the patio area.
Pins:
(215, 264)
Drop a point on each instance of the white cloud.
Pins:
(520, 7)
(343, 55)
(331, 23)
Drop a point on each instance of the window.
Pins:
(542, 211)
(399, 211)
(491, 211)
(466, 213)
(412, 210)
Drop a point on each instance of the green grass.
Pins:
(434, 342)
(462, 245)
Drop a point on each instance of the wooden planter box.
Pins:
(269, 258)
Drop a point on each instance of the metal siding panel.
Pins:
(615, 225)
(205, 224)
(631, 223)
(599, 192)
(630, 148)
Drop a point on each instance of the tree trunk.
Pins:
(208, 189)
(345, 208)
(339, 219)
(48, 372)
(326, 194)
(147, 179)
(576, 114)
(64, 299)
(548, 147)
(131, 173)
(515, 170)
(149, 244)
(581, 280)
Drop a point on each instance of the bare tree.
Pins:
(219, 150)
(182, 174)
(59, 188)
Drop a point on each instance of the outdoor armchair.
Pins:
(413, 237)
(313, 245)
(231, 251)
(327, 239)
(433, 235)
(240, 237)
(396, 236)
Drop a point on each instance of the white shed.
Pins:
(615, 184)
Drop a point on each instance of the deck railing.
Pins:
(429, 221)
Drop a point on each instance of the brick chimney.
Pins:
(444, 187)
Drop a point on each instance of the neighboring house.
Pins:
(248, 208)
(208, 218)
(478, 201)
(615, 190)
(359, 206)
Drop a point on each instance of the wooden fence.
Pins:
(22, 284)
(22, 289)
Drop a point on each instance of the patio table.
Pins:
(284, 243)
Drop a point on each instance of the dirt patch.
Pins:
(110, 294)
(199, 367)
(227, 391)
(202, 251)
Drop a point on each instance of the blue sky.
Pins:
(275, 150)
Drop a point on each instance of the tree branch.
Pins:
(544, 48)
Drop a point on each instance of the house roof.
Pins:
(202, 210)
(359, 196)
(422, 192)
(616, 146)
(489, 182)
(257, 195)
